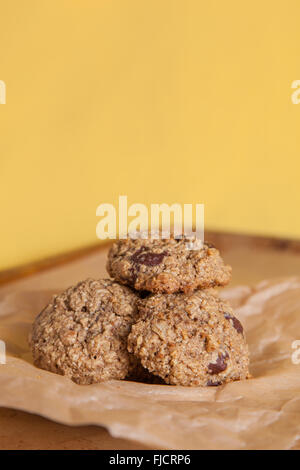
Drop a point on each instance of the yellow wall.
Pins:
(163, 100)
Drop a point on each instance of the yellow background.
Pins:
(169, 101)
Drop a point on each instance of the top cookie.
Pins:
(166, 265)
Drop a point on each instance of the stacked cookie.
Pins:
(158, 320)
(185, 334)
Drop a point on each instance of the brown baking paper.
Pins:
(260, 413)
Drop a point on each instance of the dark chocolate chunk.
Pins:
(147, 258)
(219, 365)
(210, 383)
(236, 323)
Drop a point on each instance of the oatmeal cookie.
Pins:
(82, 333)
(166, 265)
(190, 339)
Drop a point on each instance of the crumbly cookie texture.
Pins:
(166, 265)
(190, 339)
(82, 333)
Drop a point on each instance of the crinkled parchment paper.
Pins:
(261, 413)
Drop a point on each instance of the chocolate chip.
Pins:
(143, 256)
(210, 383)
(236, 323)
(138, 253)
(219, 365)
